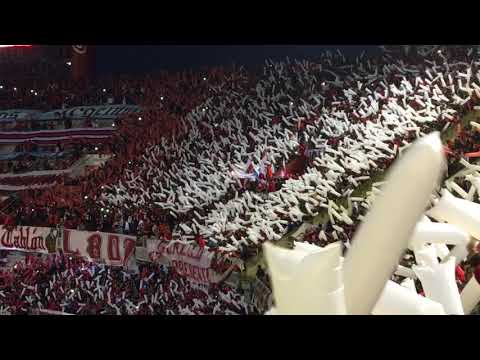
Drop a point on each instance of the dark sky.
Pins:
(144, 58)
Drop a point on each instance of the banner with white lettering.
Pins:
(92, 112)
(26, 238)
(111, 249)
(190, 261)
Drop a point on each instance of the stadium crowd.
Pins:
(346, 112)
(62, 94)
(75, 286)
(234, 158)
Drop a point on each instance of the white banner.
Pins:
(141, 254)
(190, 261)
(49, 312)
(111, 249)
(93, 112)
(26, 238)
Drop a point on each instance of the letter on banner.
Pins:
(94, 245)
(113, 248)
(66, 243)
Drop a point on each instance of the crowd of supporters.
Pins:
(280, 83)
(228, 159)
(75, 286)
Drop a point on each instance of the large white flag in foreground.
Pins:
(380, 241)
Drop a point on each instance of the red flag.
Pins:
(460, 274)
(269, 171)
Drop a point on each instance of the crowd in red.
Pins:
(54, 284)
(75, 286)
(75, 202)
(164, 99)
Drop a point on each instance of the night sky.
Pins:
(145, 58)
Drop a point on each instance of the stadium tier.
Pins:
(154, 195)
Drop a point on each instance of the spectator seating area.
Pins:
(227, 159)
